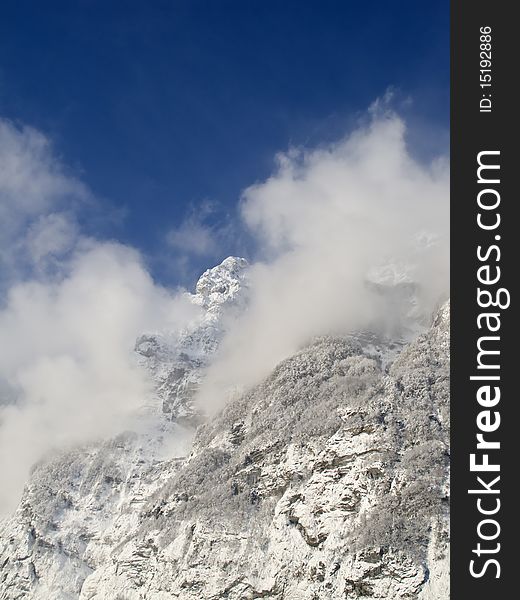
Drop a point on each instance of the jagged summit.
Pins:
(222, 284)
(176, 361)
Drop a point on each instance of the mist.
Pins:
(328, 222)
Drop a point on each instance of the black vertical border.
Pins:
(471, 132)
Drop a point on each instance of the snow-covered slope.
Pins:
(327, 480)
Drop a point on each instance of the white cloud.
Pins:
(32, 180)
(71, 308)
(193, 237)
(66, 356)
(324, 220)
(52, 235)
(37, 199)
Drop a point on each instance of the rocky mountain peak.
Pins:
(176, 361)
(222, 284)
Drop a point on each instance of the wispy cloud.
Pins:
(37, 201)
(195, 235)
(324, 220)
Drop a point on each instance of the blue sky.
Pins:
(162, 107)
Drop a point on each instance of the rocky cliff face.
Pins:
(327, 480)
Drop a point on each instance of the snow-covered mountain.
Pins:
(176, 361)
(329, 479)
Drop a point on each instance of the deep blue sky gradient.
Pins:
(160, 105)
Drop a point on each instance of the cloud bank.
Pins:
(71, 308)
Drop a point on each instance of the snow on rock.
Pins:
(176, 361)
(327, 480)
